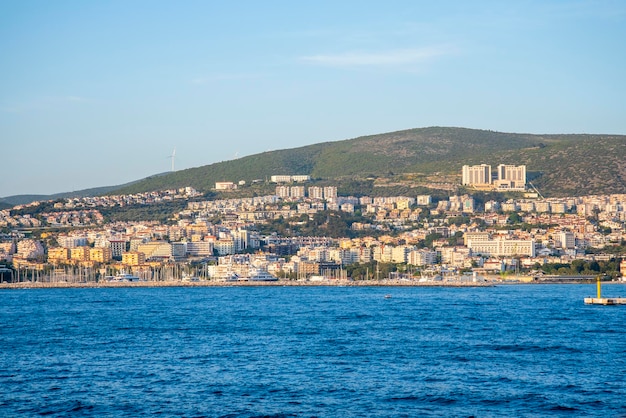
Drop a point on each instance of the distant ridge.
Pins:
(560, 165)
(96, 191)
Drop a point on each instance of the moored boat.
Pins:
(258, 275)
(123, 277)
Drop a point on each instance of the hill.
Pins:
(22, 199)
(559, 165)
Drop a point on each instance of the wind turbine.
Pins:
(172, 157)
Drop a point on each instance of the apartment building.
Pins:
(476, 175)
(133, 258)
(511, 177)
(58, 255)
(225, 185)
(100, 255)
(502, 247)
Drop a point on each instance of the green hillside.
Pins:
(559, 165)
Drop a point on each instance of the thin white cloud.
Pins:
(398, 57)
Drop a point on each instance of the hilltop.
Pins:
(558, 165)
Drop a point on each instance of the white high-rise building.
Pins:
(316, 192)
(282, 191)
(476, 175)
(511, 177)
(566, 239)
(330, 192)
(296, 191)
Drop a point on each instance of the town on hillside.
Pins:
(308, 233)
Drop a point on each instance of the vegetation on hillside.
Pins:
(558, 165)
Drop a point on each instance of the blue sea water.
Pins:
(527, 350)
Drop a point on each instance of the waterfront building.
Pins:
(118, 247)
(58, 255)
(7, 249)
(422, 257)
(100, 255)
(133, 258)
(383, 253)
(400, 253)
(156, 249)
(502, 247)
(30, 249)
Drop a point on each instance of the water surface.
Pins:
(528, 350)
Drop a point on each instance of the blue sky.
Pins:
(99, 93)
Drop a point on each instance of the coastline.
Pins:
(282, 283)
(279, 283)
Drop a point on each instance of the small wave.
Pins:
(563, 408)
(66, 407)
(406, 398)
(515, 348)
(440, 400)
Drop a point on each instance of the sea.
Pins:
(319, 351)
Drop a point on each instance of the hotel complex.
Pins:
(508, 177)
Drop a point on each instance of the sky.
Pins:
(101, 93)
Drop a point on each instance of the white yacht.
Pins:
(258, 275)
(124, 277)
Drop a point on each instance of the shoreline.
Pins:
(282, 283)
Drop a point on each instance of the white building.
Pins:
(566, 240)
(316, 192)
(424, 200)
(476, 175)
(29, 249)
(330, 192)
(422, 257)
(156, 249)
(502, 247)
(296, 192)
(511, 177)
(225, 185)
